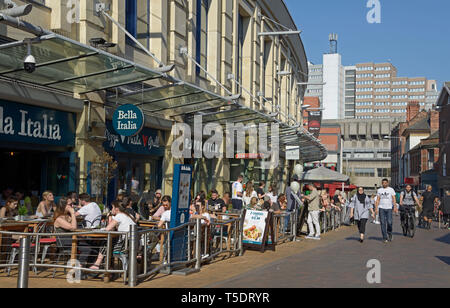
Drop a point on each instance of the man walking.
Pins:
(384, 206)
(237, 193)
(428, 199)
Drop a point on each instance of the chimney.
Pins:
(434, 121)
(412, 110)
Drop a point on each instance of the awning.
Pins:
(322, 174)
(67, 65)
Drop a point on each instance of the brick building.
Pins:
(415, 148)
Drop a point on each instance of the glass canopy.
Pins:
(67, 65)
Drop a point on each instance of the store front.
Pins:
(36, 148)
(140, 161)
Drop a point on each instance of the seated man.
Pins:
(90, 211)
(215, 203)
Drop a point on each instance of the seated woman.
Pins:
(47, 205)
(127, 203)
(201, 212)
(10, 208)
(65, 221)
(121, 220)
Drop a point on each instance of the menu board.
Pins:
(254, 227)
(182, 179)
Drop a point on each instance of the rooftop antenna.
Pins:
(333, 38)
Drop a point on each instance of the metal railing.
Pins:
(144, 252)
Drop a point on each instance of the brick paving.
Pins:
(339, 260)
(423, 261)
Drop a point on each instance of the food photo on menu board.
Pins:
(184, 191)
(254, 227)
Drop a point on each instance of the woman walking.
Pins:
(360, 205)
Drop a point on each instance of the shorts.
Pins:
(237, 204)
(427, 212)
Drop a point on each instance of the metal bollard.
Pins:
(198, 245)
(132, 275)
(24, 263)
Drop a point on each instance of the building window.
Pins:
(201, 46)
(384, 172)
(364, 172)
(131, 19)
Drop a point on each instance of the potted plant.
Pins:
(23, 211)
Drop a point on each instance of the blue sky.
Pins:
(413, 34)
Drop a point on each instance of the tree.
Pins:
(102, 172)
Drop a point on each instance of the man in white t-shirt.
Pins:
(237, 194)
(166, 202)
(383, 206)
(90, 211)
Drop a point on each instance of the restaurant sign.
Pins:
(147, 142)
(128, 120)
(30, 124)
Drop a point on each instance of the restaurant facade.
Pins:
(218, 59)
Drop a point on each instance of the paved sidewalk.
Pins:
(218, 271)
(338, 260)
(423, 261)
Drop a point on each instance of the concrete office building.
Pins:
(366, 154)
(367, 90)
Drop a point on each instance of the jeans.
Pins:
(386, 223)
(287, 219)
(313, 220)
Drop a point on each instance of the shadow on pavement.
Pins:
(444, 259)
(444, 239)
(352, 239)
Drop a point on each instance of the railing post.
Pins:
(24, 263)
(294, 220)
(198, 238)
(240, 225)
(133, 247)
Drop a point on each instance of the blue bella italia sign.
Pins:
(128, 120)
(30, 124)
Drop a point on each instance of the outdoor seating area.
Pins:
(147, 249)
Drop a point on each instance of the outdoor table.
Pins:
(74, 251)
(17, 226)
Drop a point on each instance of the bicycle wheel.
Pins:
(411, 227)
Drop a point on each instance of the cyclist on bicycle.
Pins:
(408, 200)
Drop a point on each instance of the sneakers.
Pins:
(312, 237)
(376, 222)
(390, 237)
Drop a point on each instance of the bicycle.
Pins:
(408, 221)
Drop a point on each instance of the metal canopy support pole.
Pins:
(24, 263)
(184, 52)
(165, 69)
